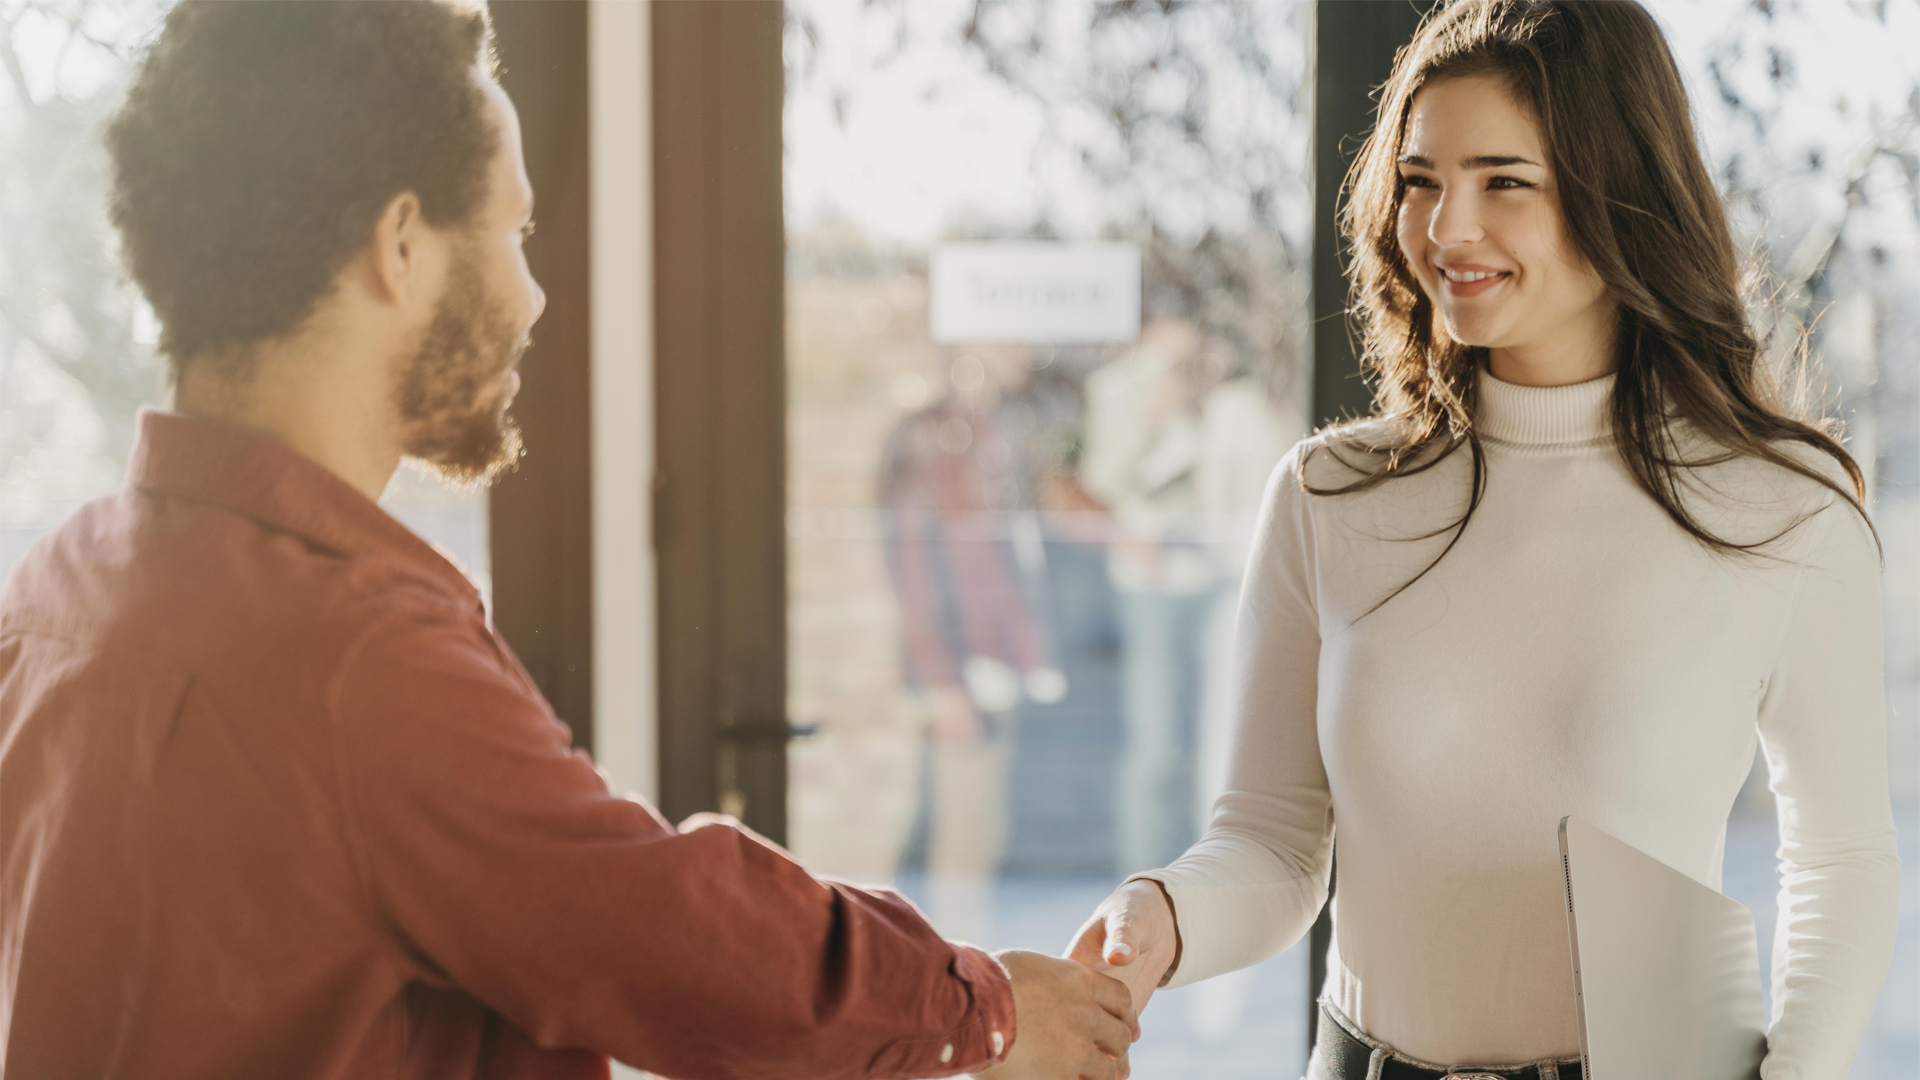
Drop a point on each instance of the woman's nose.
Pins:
(1456, 219)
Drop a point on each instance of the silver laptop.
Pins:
(1666, 971)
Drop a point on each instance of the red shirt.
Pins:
(276, 802)
(949, 550)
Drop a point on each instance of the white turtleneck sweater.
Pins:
(1577, 653)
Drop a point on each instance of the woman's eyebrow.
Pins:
(1495, 161)
(1479, 161)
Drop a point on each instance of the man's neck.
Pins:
(311, 401)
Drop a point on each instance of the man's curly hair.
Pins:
(260, 141)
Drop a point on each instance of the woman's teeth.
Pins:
(1464, 276)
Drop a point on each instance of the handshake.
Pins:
(1079, 1015)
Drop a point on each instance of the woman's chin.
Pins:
(1474, 335)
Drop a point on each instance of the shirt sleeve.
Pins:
(506, 868)
(1824, 731)
(1256, 880)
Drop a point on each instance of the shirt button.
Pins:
(999, 1043)
(946, 1053)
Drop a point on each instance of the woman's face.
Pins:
(1482, 231)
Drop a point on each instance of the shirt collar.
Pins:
(253, 475)
(1545, 415)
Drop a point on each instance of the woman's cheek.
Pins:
(1403, 229)
(1413, 249)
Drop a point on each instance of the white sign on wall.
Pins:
(1034, 292)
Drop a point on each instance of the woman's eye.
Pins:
(1505, 182)
(1418, 181)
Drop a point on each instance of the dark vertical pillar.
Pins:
(1354, 46)
(720, 504)
(540, 516)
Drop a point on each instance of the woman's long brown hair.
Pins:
(1638, 203)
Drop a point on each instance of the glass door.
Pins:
(1046, 339)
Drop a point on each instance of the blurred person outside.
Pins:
(966, 559)
(1141, 460)
(274, 799)
(1246, 428)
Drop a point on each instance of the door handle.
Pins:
(758, 732)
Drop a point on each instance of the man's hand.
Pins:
(1132, 934)
(1075, 1023)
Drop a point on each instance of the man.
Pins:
(1143, 448)
(972, 640)
(274, 801)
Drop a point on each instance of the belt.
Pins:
(1341, 1052)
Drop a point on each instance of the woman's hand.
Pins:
(1132, 936)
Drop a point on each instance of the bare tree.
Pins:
(65, 308)
(1821, 167)
(1176, 124)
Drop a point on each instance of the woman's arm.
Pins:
(1823, 728)
(1254, 883)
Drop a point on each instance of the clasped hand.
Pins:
(1132, 937)
(1078, 1016)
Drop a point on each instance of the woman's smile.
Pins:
(1463, 280)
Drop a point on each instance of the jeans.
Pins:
(1343, 1052)
(1163, 643)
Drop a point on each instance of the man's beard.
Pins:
(453, 395)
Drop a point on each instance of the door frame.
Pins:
(1354, 45)
(540, 516)
(719, 501)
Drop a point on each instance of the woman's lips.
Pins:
(1473, 288)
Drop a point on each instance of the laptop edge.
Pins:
(1573, 945)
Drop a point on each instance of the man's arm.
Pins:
(504, 866)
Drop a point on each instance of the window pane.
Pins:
(1014, 550)
(75, 342)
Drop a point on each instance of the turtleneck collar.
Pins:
(1545, 415)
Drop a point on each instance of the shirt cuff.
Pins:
(983, 1038)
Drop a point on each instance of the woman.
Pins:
(1578, 559)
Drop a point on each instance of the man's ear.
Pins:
(397, 251)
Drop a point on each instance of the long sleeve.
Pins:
(1823, 727)
(504, 867)
(1254, 883)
